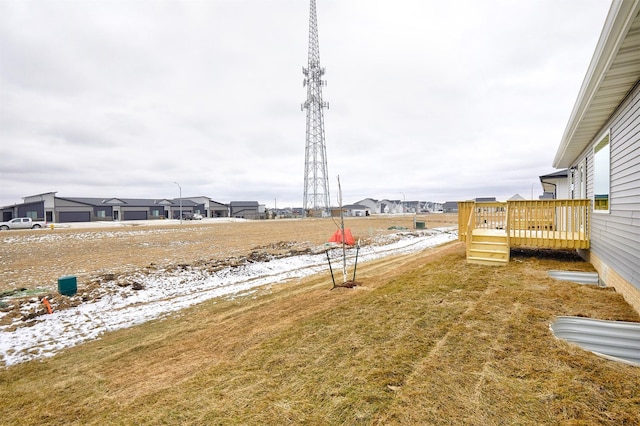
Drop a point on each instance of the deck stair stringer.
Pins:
(488, 247)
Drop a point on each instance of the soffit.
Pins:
(614, 71)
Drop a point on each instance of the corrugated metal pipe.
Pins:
(615, 340)
(576, 277)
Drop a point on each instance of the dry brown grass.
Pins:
(426, 339)
(36, 259)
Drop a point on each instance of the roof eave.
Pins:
(619, 20)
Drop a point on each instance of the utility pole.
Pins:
(316, 179)
(180, 201)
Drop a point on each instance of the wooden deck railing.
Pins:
(550, 223)
(464, 214)
(537, 223)
(480, 215)
(471, 224)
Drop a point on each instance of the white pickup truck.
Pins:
(22, 223)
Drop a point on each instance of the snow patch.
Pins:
(162, 294)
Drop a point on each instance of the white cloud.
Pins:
(436, 100)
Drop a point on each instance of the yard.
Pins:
(424, 338)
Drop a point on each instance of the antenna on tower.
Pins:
(316, 179)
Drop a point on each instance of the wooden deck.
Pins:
(544, 238)
(490, 229)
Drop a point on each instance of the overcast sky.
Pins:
(429, 100)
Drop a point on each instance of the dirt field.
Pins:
(35, 259)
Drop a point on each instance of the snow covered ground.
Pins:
(162, 293)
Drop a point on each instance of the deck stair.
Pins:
(488, 247)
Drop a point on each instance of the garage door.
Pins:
(134, 215)
(65, 217)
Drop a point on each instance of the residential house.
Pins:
(208, 207)
(601, 149)
(85, 209)
(433, 207)
(399, 206)
(287, 213)
(357, 210)
(391, 207)
(555, 185)
(450, 207)
(412, 206)
(371, 204)
(382, 206)
(247, 210)
(52, 208)
(40, 206)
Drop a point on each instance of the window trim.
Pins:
(603, 140)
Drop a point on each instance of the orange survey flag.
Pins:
(337, 237)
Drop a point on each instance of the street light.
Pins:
(180, 201)
(532, 189)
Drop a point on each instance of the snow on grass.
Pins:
(80, 236)
(163, 293)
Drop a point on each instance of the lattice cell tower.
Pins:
(316, 180)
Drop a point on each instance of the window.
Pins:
(101, 214)
(601, 175)
(32, 214)
(155, 213)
